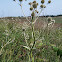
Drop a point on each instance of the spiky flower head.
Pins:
(36, 11)
(31, 8)
(49, 19)
(20, 0)
(30, 3)
(33, 14)
(37, 3)
(42, 1)
(34, 5)
(49, 1)
(34, 1)
(42, 6)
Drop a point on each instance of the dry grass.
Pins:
(40, 23)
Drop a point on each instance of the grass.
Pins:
(58, 19)
(17, 52)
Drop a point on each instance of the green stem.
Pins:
(29, 57)
(33, 36)
(25, 39)
(33, 33)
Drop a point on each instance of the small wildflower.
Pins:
(44, 6)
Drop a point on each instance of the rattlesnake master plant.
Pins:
(49, 1)
(50, 22)
(42, 1)
(34, 17)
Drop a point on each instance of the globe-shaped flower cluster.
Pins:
(33, 6)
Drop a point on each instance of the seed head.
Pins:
(49, 19)
(41, 6)
(49, 1)
(23, 29)
(34, 5)
(20, 0)
(44, 6)
(37, 3)
(31, 8)
(30, 3)
(33, 14)
(42, 1)
(36, 11)
(34, 1)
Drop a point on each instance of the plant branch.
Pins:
(38, 16)
(6, 44)
(23, 12)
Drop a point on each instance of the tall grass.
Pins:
(16, 51)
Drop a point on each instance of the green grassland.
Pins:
(58, 19)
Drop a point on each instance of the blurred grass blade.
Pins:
(26, 47)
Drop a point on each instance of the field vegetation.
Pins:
(13, 45)
(31, 39)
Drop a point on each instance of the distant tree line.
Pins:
(52, 15)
